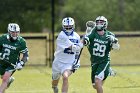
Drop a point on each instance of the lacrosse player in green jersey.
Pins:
(99, 43)
(11, 46)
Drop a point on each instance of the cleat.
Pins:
(55, 89)
(11, 80)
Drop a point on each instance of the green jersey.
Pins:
(99, 47)
(10, 51)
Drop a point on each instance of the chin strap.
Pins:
(11, 38)
(68, 33)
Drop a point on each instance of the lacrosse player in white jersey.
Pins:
(68, 48)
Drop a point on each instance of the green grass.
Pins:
(38, 80)
(128, 53)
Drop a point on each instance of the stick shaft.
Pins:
(79, 56)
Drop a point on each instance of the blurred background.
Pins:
(35, 15)
(40, 22)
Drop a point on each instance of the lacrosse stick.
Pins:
(90, 25)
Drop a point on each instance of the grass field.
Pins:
(38, 80)
(128, 53)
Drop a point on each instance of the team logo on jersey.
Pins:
(74, 40)
(100, 41)
(9, 46)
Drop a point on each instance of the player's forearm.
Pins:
(25, 57)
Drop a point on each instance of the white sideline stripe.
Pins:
(30, 91)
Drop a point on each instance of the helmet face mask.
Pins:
(14, 35)
(13, 30)
(101, 23)
(68, 25)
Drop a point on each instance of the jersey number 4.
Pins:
(68, 51)
(99, 50)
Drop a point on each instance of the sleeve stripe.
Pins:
(25, 50)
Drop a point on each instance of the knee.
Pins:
(5, 79)
(65, 78)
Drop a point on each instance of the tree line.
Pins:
(35, 15)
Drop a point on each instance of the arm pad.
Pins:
(25, 57)
(86, 41)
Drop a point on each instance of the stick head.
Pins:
(90, 24)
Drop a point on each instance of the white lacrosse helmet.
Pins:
(68, 25)
(101, 23)
(13, 30)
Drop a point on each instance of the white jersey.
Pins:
(63, 53)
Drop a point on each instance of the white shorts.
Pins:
(58, 69)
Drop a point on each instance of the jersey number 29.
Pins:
(99, 50)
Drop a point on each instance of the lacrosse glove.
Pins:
(19, 65)
(112, 39)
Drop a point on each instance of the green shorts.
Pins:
(100, 70)
(6, 67)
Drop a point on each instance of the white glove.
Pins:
(19, 65)
(112, 38)
(77, 48)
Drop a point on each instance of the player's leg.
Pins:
(55, 81)
(55, 85)
(56, 73)
(65, 84)
(10, 81)
(5, 79)
(6, 72)
(98, 83)
(66, 72)
(101, 74)
(93, 73)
